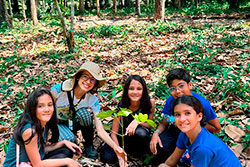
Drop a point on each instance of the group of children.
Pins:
(71, 106)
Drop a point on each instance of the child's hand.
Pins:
(153, 143)
(122, 156)
(130, 130)
(72, 146)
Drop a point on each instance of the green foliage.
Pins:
(124, 112)
(3, 27)
(105, 31)
(106, 114)
(144, 118)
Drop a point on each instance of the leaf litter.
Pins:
(141, 52)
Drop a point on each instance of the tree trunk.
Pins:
(67, 35)
(44, 5)
(23, 10)
(71, 32)
(233, 4)
(159, 9)
(86, 6)
(98, 8)
(127, 3)
(177, 3)
(114, 6)
(34, 12)
(137, 7)
(81, 6)
(28, 5)
(10, 9)
(4, 16)
(2, 11)
(15, 7)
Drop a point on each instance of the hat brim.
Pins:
(69, 83)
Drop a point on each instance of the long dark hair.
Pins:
(190, 101)
(29, 117)
(145, 104)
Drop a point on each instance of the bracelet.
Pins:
(158, 131)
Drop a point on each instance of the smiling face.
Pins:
(179, 88)
(86, 82)
(186, 118)
(135, 91)
(44, 109)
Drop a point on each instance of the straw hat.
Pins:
(92, 68)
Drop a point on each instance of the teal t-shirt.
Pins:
(10, 160)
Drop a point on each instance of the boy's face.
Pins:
(180, 88)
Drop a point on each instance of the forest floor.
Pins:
(215, 49)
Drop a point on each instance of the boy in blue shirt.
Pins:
(164, 139)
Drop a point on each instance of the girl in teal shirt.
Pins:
(31, 135)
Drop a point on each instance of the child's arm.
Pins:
(213, 126)
(120, 153)
(70, 145)
(155, 138)
(34, 155)
(133, 125)
(115, 129)
(173, 159)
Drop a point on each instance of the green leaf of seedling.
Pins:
(124, 112)
(151, 123)
(143, 117)
(107, 127)
(136, 118)
(105, 114)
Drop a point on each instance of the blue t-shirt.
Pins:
(208, 112)
(10, 160)
(208, 150)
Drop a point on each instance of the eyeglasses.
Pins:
(86, 78)
(179, 87)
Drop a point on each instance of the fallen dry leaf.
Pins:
(237, 149)
(234, 132)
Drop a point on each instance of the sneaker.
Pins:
(91, 152)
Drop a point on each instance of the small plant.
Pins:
(124, 112)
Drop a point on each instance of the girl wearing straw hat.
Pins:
(77, 108)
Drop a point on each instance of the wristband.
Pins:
(158, 131)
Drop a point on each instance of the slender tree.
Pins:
(34, 12)
(159, 9)
(127, 3)
(114, 6)
(81, 6)
(137, 7)
(177, 3)
(23, 11)
(15, 6)
(98, 7)
(67, 34)
(4, 16)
